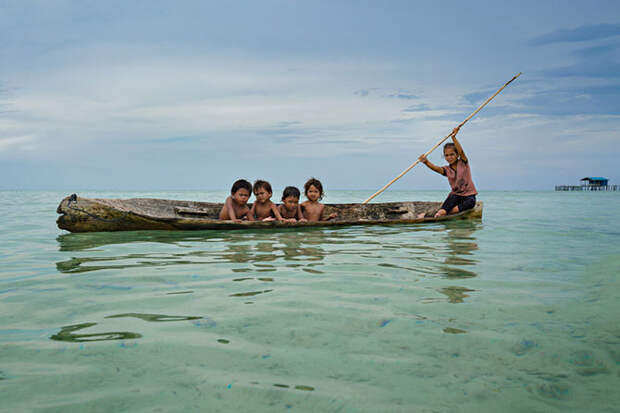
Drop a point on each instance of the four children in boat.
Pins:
(263, 209)
(463, 194)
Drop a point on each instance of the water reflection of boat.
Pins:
(257, 248)
(95, 215)
(90, 240)
(461, 245)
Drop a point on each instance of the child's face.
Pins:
(290, 203)
(313, 193)
(241, 196)
(262, 195)
(450, 155)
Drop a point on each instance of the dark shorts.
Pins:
(463, 202)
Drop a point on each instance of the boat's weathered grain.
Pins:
(93, 215)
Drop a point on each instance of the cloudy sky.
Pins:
(131, 95)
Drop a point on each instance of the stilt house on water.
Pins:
(594, 181)
(589, 183)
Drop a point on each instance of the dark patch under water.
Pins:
(67, 333)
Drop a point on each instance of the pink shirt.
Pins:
(460, 180)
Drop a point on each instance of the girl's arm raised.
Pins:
(431, 165)
(457, 144)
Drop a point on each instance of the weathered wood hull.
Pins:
(97, 215)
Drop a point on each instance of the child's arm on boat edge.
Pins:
(457, 144)
(230, 210)
(330, 216)
(252, 212)
(276, 212)
(300, 214)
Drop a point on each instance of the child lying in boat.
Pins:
(262, 208)
(312, 208)
(290, 208)
(236, 205)
(463, 194)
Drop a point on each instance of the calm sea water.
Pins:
(516, 312)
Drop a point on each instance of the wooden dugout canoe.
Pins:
(95, 215)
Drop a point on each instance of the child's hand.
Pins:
(332, 216)
(291, 220)
(269, 219)
(303, 220)
(455, 131)
(423, 159)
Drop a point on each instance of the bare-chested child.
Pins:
(312, 208)
(290, 209)
(263, 209)
(236, 205)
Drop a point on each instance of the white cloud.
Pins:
(141, 101)
(17, 143)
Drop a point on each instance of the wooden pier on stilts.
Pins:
(590, 184)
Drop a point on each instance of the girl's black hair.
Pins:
(317, 184)
(450, 145)
(241, 183)
(259, 183)
(290, 191)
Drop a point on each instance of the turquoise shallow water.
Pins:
(516, 312)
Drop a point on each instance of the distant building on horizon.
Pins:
(595, 181)
(590, 183)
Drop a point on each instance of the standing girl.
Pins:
(463, 194)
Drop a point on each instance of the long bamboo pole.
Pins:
(440, 142)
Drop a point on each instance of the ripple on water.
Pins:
(67, 333)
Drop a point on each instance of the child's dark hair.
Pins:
(317, 184)
(290, 191)
(239, 184)
(259, 183)
(450, 145)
